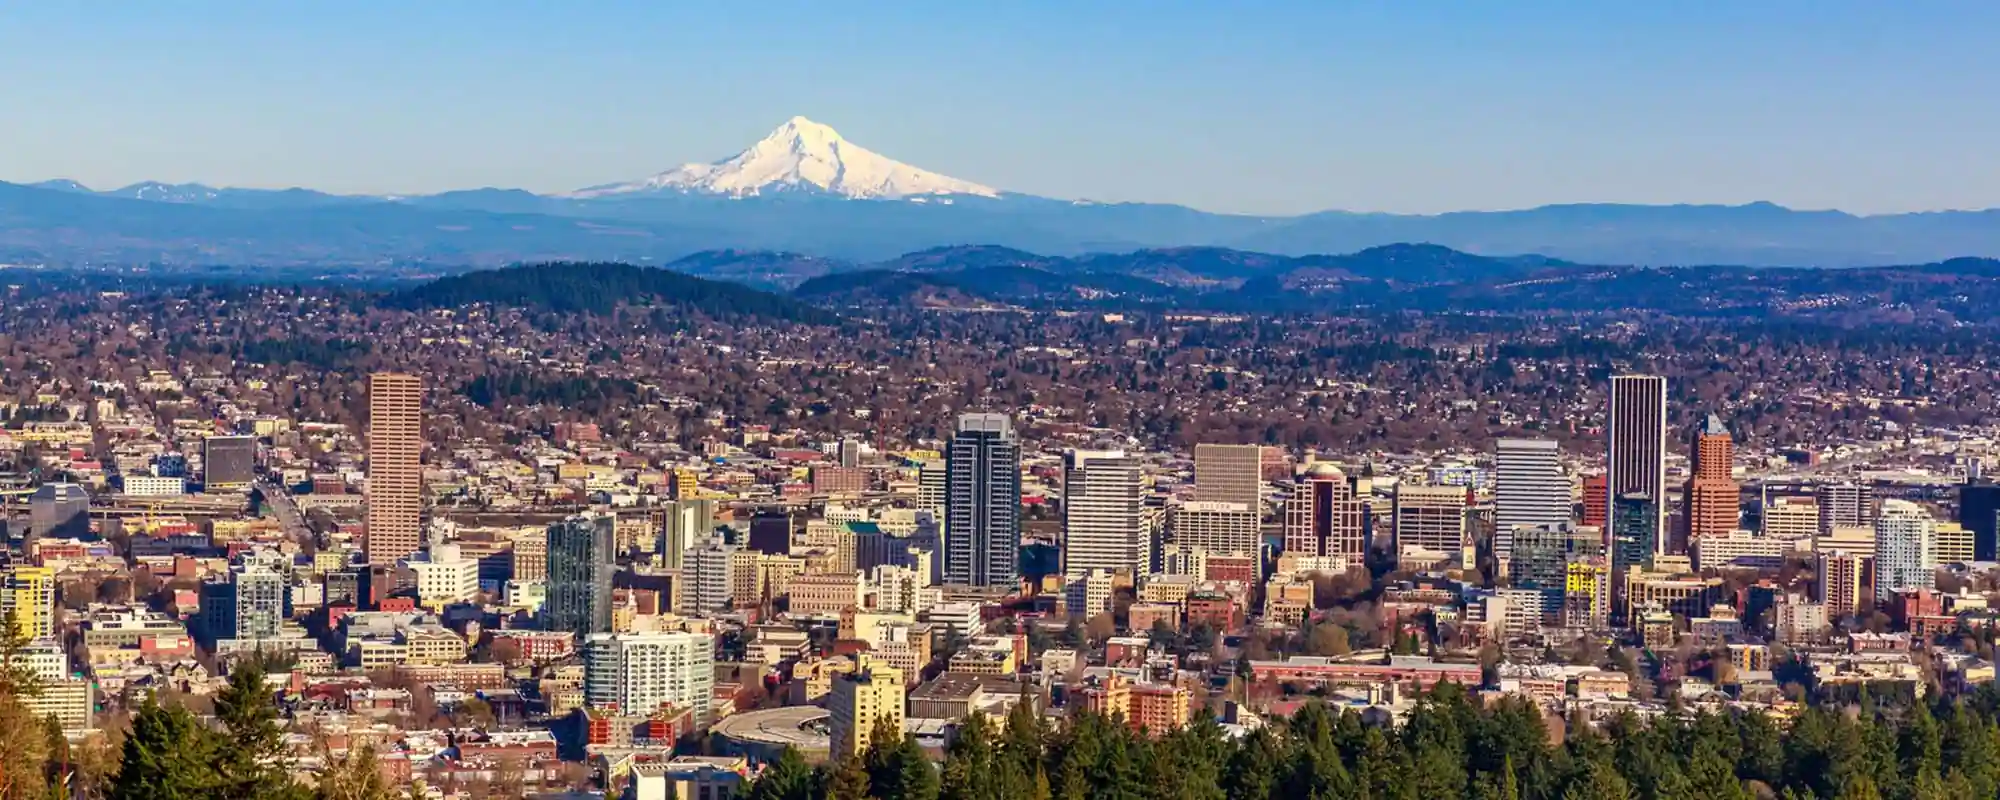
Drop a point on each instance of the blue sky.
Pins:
(1261, 107)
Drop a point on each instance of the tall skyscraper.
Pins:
(1979, 512)
(1905, 549)
(395, 467)
(579, 575)
(1713, 500)
(1636, 453)
(684, 525)
(30, 592)
(709, 572)
(249, 604)
(982, 533)
(1840, 580)
(1229, 473)
(1846, 505)
(1634, 534)
(1323, 518)
(1102, 504)
(228, 462)
(1433, 518)
(931, 479)
(639, 673)
(1530, 488)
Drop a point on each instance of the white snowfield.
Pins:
(801, 155)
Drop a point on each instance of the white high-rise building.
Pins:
(930, 492)
(1905, 548)
(1215, 527)
(1530, 488)
(1432, 519)
(1846, 505)
(1103, 519)
(637, 673)
(711, 580)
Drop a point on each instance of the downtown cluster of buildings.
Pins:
(476, 607)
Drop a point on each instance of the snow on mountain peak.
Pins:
(801, 155)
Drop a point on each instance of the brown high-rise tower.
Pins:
(395, 466)
(1714, 501)
(1635, 455)
(1323, 517)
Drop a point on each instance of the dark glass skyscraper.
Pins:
(580, 566)
(1979, 512)
(1635, 455)
(982, 541)
(771, 531)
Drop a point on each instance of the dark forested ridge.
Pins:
(599, 287)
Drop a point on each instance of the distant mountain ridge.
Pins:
(807, 190)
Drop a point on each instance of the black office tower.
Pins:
(771, 531)
(1979, 512)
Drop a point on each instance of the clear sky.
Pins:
(1249, 106)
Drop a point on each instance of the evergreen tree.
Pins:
(1599, 781)
(896, 767)
(250, 761)
(165, 757)
(788, 778)
(848, 780)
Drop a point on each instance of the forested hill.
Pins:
(599, 287)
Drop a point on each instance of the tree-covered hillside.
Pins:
(597, 288)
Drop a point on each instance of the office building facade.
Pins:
(1433, 518)
(1905, 549)
(228, 462)
(982, 531)
(394, 523)
(1712, 500)
(1636, 447)
(1229, 473)
(1103, 505)
(580, 566)
(1323, 517)
(641, 673)
(1530, 486)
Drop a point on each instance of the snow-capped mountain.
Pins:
(801, 155)
(166, 192)
(62, 185)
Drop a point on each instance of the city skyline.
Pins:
(1565, 116)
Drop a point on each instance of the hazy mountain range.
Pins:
(804, 189)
